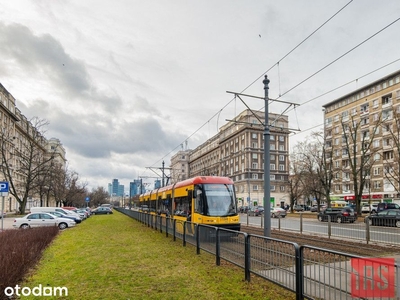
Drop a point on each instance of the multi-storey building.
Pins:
(237, 151)
(19, 136)
(180, 166)
(116, 189)
(369, 117)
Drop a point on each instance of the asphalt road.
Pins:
(6, 223)
(357, 230)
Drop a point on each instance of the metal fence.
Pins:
(369, 231)
(310, 272)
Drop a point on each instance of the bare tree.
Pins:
(295, 184)
(24, 159)
(357, 141)
(391, 155)
(98, 196)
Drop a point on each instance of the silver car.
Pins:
(42, 219)
(277, 212)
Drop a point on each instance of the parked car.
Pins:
(61, 215)
(314, 208)
(390, 217)
(82, 214)
(84, 211)
(340, 215)
(255, 211)
(305, 207)
(298, 208)
(42, 219)
(110, 206)
(243, 209)
(366, 208)
(278, 212)
(384, 206)
(102, 211)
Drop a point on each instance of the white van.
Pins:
(58, 209)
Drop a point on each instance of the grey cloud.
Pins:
(45, 58)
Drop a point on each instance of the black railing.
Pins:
(308, 271)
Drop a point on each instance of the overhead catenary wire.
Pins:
(256, 80)
(341, 56)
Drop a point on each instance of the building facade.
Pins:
(369, 118)
(237, 151)
(19, 137)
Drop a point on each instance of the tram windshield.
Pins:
(220, 199)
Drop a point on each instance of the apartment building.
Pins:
(237, 151)
(16, 133)
(370, 114)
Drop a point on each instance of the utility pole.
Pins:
(267, 160)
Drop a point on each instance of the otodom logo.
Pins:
(373, 278)
(41, 291)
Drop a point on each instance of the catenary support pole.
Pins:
(267, 192)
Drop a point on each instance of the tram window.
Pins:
(198, 203)
(182, 206)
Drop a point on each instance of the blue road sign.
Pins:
(3, 187)
(87, 199)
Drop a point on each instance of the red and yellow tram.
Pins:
(206, 200)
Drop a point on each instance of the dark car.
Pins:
(243, 209)
(384, 206)
(102, 211)
(260, 209)
(255, 211)
(390, 217)
(339, 215)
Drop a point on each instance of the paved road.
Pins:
(357, 231)
(7, 223)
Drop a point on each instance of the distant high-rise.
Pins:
(115, 189)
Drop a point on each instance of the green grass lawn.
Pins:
(116, 257)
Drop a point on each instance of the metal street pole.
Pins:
(267, 192)
(2, 213)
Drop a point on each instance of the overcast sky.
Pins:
(124, 83)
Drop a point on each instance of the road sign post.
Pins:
(3, 193)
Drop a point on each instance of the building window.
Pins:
(254, 165)
(281, 138)
(272, 137)
(388, 155)
(281, 158)
(254, 135)
(272, 177)
(272, 188)
(377, 184)
(255, 187)
(281, 167)
(281, 148)
(282, 188)
(387, 100)
(272, 147)
(272, 166)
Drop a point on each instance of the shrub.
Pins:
(20, 250)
